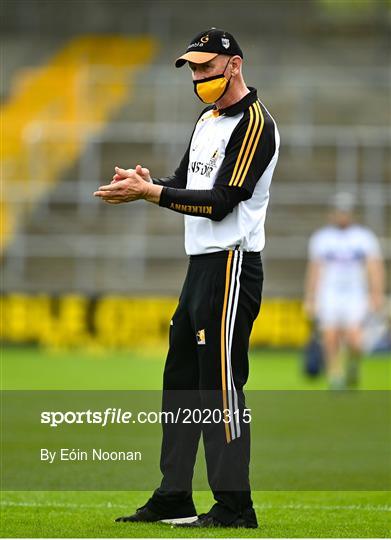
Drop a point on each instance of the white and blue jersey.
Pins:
(342, 292)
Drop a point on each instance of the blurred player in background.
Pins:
(344, 284)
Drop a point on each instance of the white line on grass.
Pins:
(33, 504)
(298, 506)
(292, 506)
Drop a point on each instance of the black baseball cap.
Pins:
(207, 45)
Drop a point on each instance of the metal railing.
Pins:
(122, 235)
(159, 122)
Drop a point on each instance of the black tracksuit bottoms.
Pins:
(206, 369)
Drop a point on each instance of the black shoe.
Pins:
(145, 515)
(207, 521)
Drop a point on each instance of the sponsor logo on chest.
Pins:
(205, 168)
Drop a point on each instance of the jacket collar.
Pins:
(241, 105)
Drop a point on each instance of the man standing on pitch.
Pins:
(222, 187)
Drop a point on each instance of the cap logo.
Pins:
(205, 39)
(225, 42)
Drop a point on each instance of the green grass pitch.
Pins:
(91, 514)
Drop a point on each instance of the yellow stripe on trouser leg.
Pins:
(222, 344)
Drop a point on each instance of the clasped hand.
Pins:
(127, 185)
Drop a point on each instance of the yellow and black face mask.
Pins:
(212, 89)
